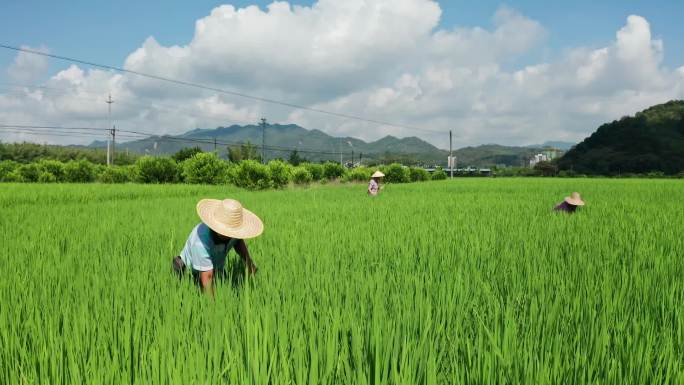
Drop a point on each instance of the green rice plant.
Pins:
(470, 281)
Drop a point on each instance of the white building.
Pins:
(538, 158)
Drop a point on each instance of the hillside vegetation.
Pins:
(652, 140)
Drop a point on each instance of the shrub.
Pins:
(28, 172)
(251, 175)
(281, 173)
(418, 174)
(151, 169)
(439, 174)
(655, 174)
(205, 168)
(13, 176)
(116, 174)
(54, 167)
(359, 174)
(396, 173)
(300, 175)
(332, 170)
(47, 177)
(79, 171)
(7, 167)
(316, 171)
(186, 153)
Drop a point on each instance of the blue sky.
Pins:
(514, 72)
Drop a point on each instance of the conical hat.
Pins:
(377, 174)
(228, 217)
(575, 199)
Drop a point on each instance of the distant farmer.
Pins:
(225, 225)
(570, 204)
(374, 184)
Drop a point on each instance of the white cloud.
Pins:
(27, 67)
(383, 59)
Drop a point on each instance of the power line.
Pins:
(53, 127)
(214, 89)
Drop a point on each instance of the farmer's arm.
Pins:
(206, 281)
(241, 248)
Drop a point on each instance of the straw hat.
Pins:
(229, 218)
(574, 199)
(377, 174)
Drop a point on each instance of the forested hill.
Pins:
(651, 140)
(281, 139)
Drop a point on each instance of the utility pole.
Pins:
(214, 144)
(451, 162)
(109, 102)
(352, 158)
(113, 131)
(263, 140)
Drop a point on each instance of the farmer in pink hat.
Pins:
(225, 225)
(570, 204)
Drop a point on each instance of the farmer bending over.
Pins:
(374, 184)
(225, 225)
(570, 204)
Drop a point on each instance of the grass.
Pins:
(472, 281)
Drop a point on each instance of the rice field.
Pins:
(471, 281)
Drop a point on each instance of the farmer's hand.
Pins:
(251, 267)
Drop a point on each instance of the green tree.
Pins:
(151, 169)
(546, 168)
(359, 174)
(186, 153)
(245, 151)
(418, 174)
(116, 174)
(281, 173)
(295, 159)
(439, 174)
(54, 167)
(6, 168)
(79, 171)
(29, 172)
(301, 176)
(316, 170)
(396, 173)
(333, 170)
(205, 168)
(251, 174)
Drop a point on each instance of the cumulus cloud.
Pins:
(27, 67)
(383, 59)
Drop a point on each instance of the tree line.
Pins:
(192, 165)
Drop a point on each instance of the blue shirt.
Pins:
(202, 253)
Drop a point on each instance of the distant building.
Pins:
(538, 158)
(547, 155)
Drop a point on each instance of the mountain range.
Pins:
(315, 145)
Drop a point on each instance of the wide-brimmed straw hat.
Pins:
(574, 199)
(377, 174)
(228, 217)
